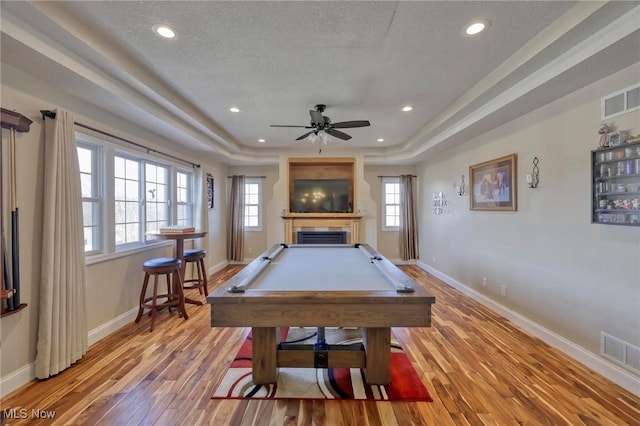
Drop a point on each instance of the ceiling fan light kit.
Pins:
(323, 127)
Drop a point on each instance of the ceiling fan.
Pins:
(320, 123)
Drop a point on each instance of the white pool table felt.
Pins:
(300, 268)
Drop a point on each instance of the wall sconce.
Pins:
(533, 179)
(460, 187)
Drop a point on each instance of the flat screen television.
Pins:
(321, 196)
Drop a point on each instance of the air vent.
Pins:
(620, 102)
(620, 352)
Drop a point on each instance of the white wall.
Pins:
(572, 277)
(388, 241)
(255, 242)
(568, 275)
(113, 286)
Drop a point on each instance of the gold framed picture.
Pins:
(494, 184)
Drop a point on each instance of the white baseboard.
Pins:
(217, 267)
(112, 326)
(25, 374)
(16, 379)
(621, 377)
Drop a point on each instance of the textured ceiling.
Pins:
(276, 60)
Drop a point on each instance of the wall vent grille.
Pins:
(620, 102)
(620, 352)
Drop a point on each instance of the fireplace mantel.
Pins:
(293, 222)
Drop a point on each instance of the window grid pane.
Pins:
(391, 210)
(252, 205)
(127, 200)
(156, 196)
(87, 161)
(184, 206)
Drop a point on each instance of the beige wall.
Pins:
(255, 242)
(388, 241)
(562, 272)
(112, 285)
(275, 195)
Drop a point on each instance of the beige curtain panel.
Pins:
(235, 222)
(408, 220)
(62, 326)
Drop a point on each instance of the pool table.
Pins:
(306, 285)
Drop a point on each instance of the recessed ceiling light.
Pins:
(380, 140)
(407, 108)
(234, 109)
(164, 31)
(261, 140)
(476, 27)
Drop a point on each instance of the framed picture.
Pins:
(210, 189)
(494, 185)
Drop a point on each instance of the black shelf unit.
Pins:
(615, 184)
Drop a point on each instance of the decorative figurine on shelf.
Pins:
(604, 139)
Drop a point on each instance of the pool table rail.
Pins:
(374, 310)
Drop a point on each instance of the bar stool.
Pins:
(173, 297)
(196, 256)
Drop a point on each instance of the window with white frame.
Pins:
(252, 204)
(89, 162)
(184, 198)
(126, 178)
(147, 195)
(156, 196)
(391, 203)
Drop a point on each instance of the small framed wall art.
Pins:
(210, 191)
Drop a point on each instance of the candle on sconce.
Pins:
(529, 179)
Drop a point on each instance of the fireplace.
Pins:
(322, 237)
(348, 223)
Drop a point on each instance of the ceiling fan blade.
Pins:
(350, 124)
(305, 135)
(286, 125)
(338, 134)
(317, 118)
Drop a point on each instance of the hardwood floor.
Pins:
(479, 368)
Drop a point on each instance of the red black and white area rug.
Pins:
(322, 383)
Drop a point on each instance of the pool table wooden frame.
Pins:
(373, 311)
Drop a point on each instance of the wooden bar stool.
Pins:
(172, 298)
(197, 256)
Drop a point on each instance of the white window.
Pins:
(391, 203)
(126, 174)
(156, 197)
(139, 194)
(89, 162)
(252, 204)
(184, 198)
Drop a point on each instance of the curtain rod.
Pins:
(52, 115)
(250, 177)
(395, 176)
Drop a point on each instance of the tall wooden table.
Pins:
(179, 238)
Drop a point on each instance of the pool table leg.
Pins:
(264, 347)
(377, 346)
